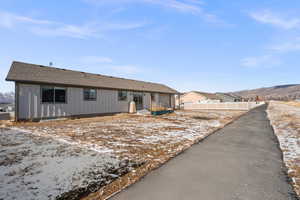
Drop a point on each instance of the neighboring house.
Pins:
(10, 108)
(6, 107)
(225, 97)
(46, 92)
(198, 97)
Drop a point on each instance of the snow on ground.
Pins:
(56, 157)
(34, 167)
(285, 120)
(131, 136)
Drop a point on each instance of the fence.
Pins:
(222, 106)
(4, 116)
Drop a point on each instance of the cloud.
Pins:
(108, 66)
(9, 20)
(261, 61)
(190, 6)
(125, 69)
(186, 6)
(54, 29)
(287, 46)
(269, 17)
(81, 32)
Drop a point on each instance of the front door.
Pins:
(138, 99)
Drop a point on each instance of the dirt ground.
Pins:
(136, 138)
(285, 119)
(293, 103)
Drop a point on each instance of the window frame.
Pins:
(89, 89)
(53, 87)
(122, 92)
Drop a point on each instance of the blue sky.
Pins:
(216, 45)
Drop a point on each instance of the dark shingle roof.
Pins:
(24, 72)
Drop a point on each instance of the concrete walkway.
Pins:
(240, 162)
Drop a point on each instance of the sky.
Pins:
(211, 46)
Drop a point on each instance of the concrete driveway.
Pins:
(240, 162)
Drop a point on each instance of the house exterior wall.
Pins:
(164, 100)
(30, 106)
(191, 97)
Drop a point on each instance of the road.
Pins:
(240, 162)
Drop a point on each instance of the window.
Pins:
(122, 95)
(53, 94)
(47, 95)
(152, 97)
(60, 95)
(90, 94)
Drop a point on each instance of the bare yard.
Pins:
(285, 119)
(73, 158)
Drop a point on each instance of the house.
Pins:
(6, 107)
(198, 97)
(226, 97)
(46, 92)
(10, 108)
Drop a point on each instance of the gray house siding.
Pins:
(30, 106)
(164, 100)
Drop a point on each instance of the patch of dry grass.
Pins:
(293, 103)
(143, 139)
(285, 119)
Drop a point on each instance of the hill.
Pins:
(280, 92)
(7, 97)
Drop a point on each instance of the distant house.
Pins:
(6, 107)
(46, 92)
(226, 97)
(10, 108)
(198, 97)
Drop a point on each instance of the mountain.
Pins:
(279, 92)
(7, 97)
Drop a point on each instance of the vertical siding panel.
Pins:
(36, 107)
(105, 100)
(48, 110)
(42, 111)
(29, 105)
(53, 110)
